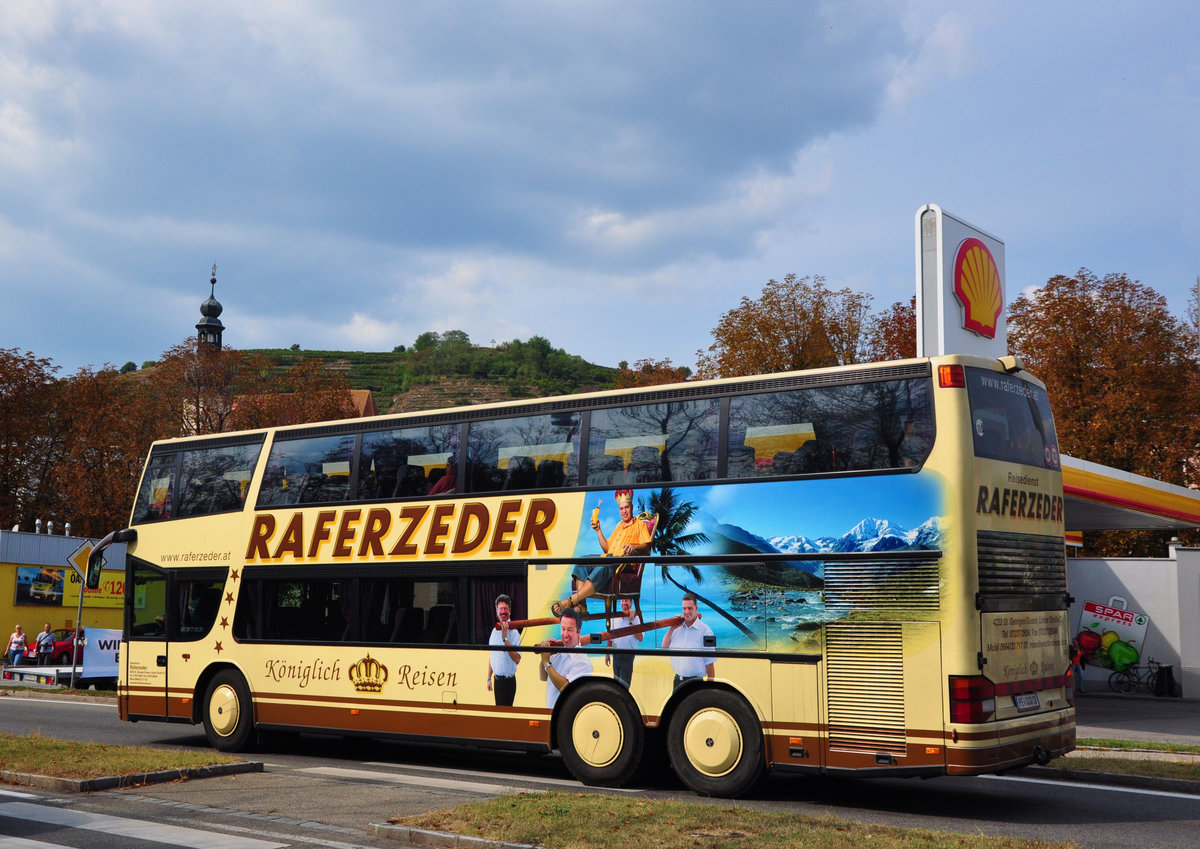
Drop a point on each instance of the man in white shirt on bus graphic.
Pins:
(502, 665)
(692, 634)
(561, 668)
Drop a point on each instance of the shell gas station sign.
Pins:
(960, 287)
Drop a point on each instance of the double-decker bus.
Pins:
(875, 553)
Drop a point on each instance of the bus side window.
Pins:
(314, 470)
(212, 479)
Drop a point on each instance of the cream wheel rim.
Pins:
(713, 742)
(597, 734)
(224, 710)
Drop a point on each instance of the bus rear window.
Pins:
(1011, 420)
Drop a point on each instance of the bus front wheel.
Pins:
(600, 735)
(716, 744)
(228, 714)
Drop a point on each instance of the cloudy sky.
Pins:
(612, 176)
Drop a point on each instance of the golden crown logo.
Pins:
(977, 287)
(368, 675)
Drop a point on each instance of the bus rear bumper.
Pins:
(999, 747)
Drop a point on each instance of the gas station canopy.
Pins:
(1101, 498)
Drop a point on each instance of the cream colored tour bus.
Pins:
(876, 553)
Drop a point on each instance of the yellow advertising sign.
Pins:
(110, 593)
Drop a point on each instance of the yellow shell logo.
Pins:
(977, 287)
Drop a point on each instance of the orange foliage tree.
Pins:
(893, 334)
(796, 323)
(73, 449)
(649, 372)
(799, 323)
(31, 437)
(1122, 379)
(306, 392)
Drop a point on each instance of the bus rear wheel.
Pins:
(228, 713)
(716, 744)
(600, 735)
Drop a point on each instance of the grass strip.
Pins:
(1129, 766)
(1146, 745)
(597, 821)
(70, 759)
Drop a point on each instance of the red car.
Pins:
(62, 648)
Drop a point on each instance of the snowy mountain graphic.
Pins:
(869, 535)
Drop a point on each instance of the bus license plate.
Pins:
(1026, 701)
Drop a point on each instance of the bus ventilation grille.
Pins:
(882, 585)
(1021, 565)
(865, 683)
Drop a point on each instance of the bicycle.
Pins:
(1128, 679)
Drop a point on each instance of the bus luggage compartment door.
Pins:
(794, 736)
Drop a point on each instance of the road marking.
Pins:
(553, 782)
(414, 780)
(23, 843)
(66, 702)
(137, 829)
(1085, 785)
(19, 794)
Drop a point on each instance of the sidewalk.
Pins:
(1108, 715)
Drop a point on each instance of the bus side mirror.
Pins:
(96, 558)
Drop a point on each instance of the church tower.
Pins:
(210, 327)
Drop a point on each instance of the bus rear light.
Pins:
(952, 377)
(972, 698)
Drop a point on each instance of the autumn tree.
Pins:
(893, 333)
(1120, 372)
(110, 420)
(200, 382)
(650, 372)
(794, 324)
(31, 437)
(306, 392)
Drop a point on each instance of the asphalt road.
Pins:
(324, 791)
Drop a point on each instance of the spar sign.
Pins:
(1112, 636)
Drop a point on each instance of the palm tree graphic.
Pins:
(671, 537)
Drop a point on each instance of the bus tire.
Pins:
(715, 743)
(228, 712)
(600, 735)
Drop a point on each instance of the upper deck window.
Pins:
(529, 452)
(675, 441)
(313, 470)
(858, 427)
(195, 482)
(1011, 419)
(408, 462)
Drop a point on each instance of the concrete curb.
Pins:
(424, 839)
(88, 785)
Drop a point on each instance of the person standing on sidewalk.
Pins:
(16, 647)
(1077, 664)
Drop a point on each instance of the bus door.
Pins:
(144, 660)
